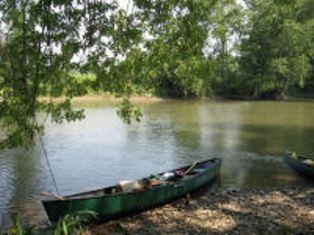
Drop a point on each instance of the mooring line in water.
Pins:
(49, 165)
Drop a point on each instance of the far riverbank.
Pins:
(107, 98)
(148, 98)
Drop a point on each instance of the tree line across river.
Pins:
(256, 49)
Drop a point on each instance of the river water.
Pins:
(101, 150)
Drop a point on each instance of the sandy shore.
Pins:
(86, 99)
(273, 211)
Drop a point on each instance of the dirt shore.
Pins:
(86, 99)
(272, 211)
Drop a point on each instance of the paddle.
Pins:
(191, 168)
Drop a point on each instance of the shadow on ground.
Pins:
(282, 211)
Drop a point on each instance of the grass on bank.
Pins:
(69, 224)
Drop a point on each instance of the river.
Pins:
(101, 150)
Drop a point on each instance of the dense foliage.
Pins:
(276, 55)
(180, 48)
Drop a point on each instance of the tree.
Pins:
(274, 54)
(226, 25)
(39, 41)
(178, 32)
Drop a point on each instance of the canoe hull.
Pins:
(298, 165)
(115, 205)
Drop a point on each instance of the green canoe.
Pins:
(301, 164)
(109, 204)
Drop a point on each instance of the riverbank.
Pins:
(272, 211)
(105, 97)
(148, 98)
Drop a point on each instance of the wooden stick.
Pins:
(190, 168)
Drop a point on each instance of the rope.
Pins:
(50, 101)
(127, 8)
(49, 166)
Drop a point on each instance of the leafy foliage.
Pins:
(69, 224)
(39, 43)
(179, 33)
(275, 54)
(19, 229)
(74, 223)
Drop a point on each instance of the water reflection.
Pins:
(101, 150)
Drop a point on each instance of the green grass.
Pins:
(70, 224)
